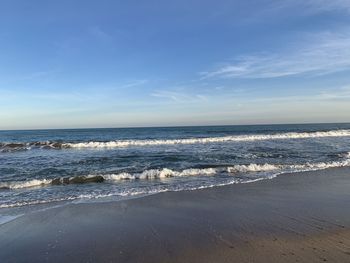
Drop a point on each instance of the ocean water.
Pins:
(50, 167)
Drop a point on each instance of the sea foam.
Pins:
(20, 146)
(234, 138)
(233, 170)
(24, 184)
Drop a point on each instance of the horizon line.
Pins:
(177, 126)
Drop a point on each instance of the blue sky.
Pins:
(158, 63)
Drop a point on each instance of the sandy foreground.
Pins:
(301, 217)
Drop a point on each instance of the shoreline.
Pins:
(302, 217)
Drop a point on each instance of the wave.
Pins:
(271, 169)
(161, 173)
(25, 184)
(10, 147)
(56, 181)
(21, 146)
(231, 170)
(37, 202)
(238, 173)
(234, 138)
(80, 198)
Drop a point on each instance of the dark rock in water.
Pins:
(77, 180)
(57, 181)
(14, 145)
(60, 181)
(38, 143)
(83, 179)
(65, 180)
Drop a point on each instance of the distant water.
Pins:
(54, 166)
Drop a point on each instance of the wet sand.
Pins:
(301, 217)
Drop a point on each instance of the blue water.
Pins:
(53, 166)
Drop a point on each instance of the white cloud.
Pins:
(322, 54)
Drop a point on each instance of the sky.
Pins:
(114, 63)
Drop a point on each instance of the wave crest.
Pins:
(18, 146)
(24, 184)
(56, 181)
(168, 173)
(235, 138)
(22, 146)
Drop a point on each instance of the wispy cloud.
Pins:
(134, 83)
(179, 97)
(322, 54)
(40, 74)
(293, 9)
(342, 93)
(99, 34)
(315, 6)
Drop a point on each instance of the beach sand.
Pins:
(301, 217)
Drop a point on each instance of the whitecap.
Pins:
(234, 138)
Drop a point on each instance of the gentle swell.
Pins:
(274, 170)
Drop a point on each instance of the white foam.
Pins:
(167, 173)
(24, 184)
(236, 138)
(160, 173)
(253, 168)
(37, 202)
(289, 168)
(250, 168)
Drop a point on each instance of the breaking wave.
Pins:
(21, 146)
(24, 184)
(272, 170)
(9, 147)
(235, 138)
(56, 181)
(232, 170)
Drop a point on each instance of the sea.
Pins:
(40, 169)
